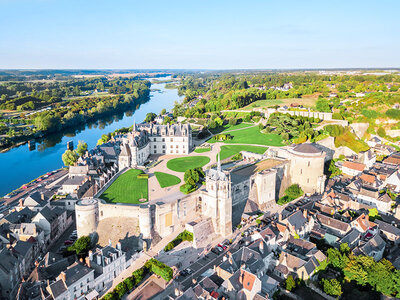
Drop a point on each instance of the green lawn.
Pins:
(127, 188)
(228, 127)
(253, 135)
(166, 180)
(229, 150)
(202, 150)
(181, 164)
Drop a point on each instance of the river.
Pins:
(19, 165)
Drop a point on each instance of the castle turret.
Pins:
(87, 216)
(145, 221)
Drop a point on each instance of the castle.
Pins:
(229, 191)
(147, 139)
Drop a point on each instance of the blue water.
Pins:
(20, 165)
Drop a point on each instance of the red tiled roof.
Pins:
(368, 178)
(354, 166)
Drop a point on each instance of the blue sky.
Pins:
(202, 34)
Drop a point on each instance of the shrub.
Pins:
(332, 286)
(232, 121)
(294, 191)
(183, 236)
(129, 283)
(111, 296)
(223, 137)
(159, 269)
(381, 132)
(138, 275)
(393, 113)
(337, 116)
(121, 289)
(187, 188)
(290, 284)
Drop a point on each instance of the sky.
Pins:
(218, 34)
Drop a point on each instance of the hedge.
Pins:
(183, 236)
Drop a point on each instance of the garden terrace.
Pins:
(129, 187)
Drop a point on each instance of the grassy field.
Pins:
(202, 150)
(181, 164)
(229, 150)
(306, 101)
(127, 188)
(253, 135)
(166, 180)
(228, 127)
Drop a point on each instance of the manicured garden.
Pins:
(166, 180)
(181, 164)
(129, 187)
(252, 135)
(228, 127)
(230, 150)
(202, 149)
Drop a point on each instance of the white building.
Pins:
(147, 139)
(108, 263)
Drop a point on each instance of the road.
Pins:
(35, 186)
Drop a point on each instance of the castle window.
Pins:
(172, 139)
(154, 139)
(177, 151)
(155, 146)
(308, 163)
(308, 180)
(163, 146)
(172, 146)
(301, 171)
(155, 151)
(163, 139)
(176, 146)
(163, 151)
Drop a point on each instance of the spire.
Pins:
(219, 163)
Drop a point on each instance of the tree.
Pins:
(81, 148)
(294, 191)
(322, 105)
(47, 122)
(290, 284)
(150, 117)
(381, 132)
(163, 111)
(344, 249)
(81, 245)
(332, 287)
(69, 157)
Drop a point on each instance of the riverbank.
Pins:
(19, 165)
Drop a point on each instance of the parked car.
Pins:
(189, 271)
(68, 242)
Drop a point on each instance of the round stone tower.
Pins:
(145, 220)
(307, 167)
(87, 216)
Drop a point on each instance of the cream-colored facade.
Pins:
(147, 139)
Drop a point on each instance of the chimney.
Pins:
(63, 276)
(230, 258)
(241, 276)
(305, 213)
(88, 262)
(98, 257)
(90, 254)
(42, 196)
(280, 217)
(21, 202)
(194, 281)
(119, 246)
(261, 247)
(109, 243)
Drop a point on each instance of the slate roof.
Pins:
(22, 248)
(306, 148)
(374, 244)
(333, 223)
(297, 220)
(386, 227)
(57, 288)
(351, 237)
(7, 261)
(35, 199)
(23, 216)
(75, 273)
